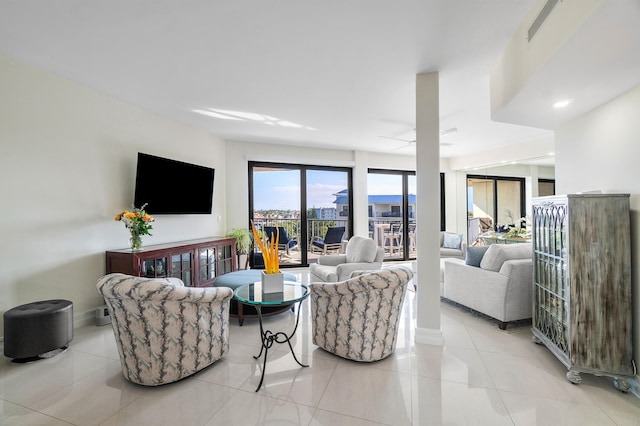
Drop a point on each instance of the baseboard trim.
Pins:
(429, 336)
(81, 319)
(635, 386)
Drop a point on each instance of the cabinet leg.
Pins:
(621, 384)
(502, 325)
(574, 377)
(536, 339)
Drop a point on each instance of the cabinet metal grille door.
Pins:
(551, 287)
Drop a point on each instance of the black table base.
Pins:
(269, 338)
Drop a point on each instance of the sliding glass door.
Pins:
(494, 204)
(309, 205)
(392, 212)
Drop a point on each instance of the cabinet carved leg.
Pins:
(574, 377)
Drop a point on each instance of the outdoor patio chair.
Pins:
(284, 242)
(332, 240)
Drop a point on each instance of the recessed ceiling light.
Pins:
(550, 154)
(563, 103)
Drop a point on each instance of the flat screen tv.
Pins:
(173, 187)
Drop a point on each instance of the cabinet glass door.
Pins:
(181, 267)
(225, 260)
(153, 268)
(207, 257)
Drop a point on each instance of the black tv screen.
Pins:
(173, 187)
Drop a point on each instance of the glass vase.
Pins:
(135, 241)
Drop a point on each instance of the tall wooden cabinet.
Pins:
(582, 283)
(196, 262)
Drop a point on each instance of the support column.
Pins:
(361, 202)
(428, 328)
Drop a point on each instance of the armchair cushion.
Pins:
(360, 249)
(332, 259)
(452, 240)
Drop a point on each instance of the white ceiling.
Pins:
(336, 74)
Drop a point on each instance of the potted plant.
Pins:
(243, 243)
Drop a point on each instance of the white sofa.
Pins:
(501, 287)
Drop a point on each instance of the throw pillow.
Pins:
(452, 240)
(475, 255)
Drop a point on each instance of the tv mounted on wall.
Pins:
(173, 187)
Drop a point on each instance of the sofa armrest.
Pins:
(332, 259)
(519, 296)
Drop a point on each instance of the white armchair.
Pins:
(361, 254)
(165, 331)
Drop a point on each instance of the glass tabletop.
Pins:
(503, 237)
(252, 294)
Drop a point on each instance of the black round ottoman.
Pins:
(37, 328)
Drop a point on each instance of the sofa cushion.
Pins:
(452, 240)
(360, 249)
(475, 255)
(497, 254)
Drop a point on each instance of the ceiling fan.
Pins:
(413, 141)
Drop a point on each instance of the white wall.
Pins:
(600, 151)
(67, 166)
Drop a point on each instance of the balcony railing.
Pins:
(318, 227)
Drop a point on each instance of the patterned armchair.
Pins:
(165, 331)
(358, 318)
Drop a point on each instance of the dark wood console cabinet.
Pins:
(196, 262)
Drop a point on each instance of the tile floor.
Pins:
(482, 376)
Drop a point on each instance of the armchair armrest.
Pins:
(332, 259)
(385, 279)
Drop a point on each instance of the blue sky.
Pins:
(280, 189)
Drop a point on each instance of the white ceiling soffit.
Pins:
(331, 74)
(598, 61)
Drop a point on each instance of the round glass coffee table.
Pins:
(251, 294)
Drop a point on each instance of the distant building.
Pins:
(379, 205)
(326, 213)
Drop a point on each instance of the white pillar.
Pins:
(361, 202)
(428, 328)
